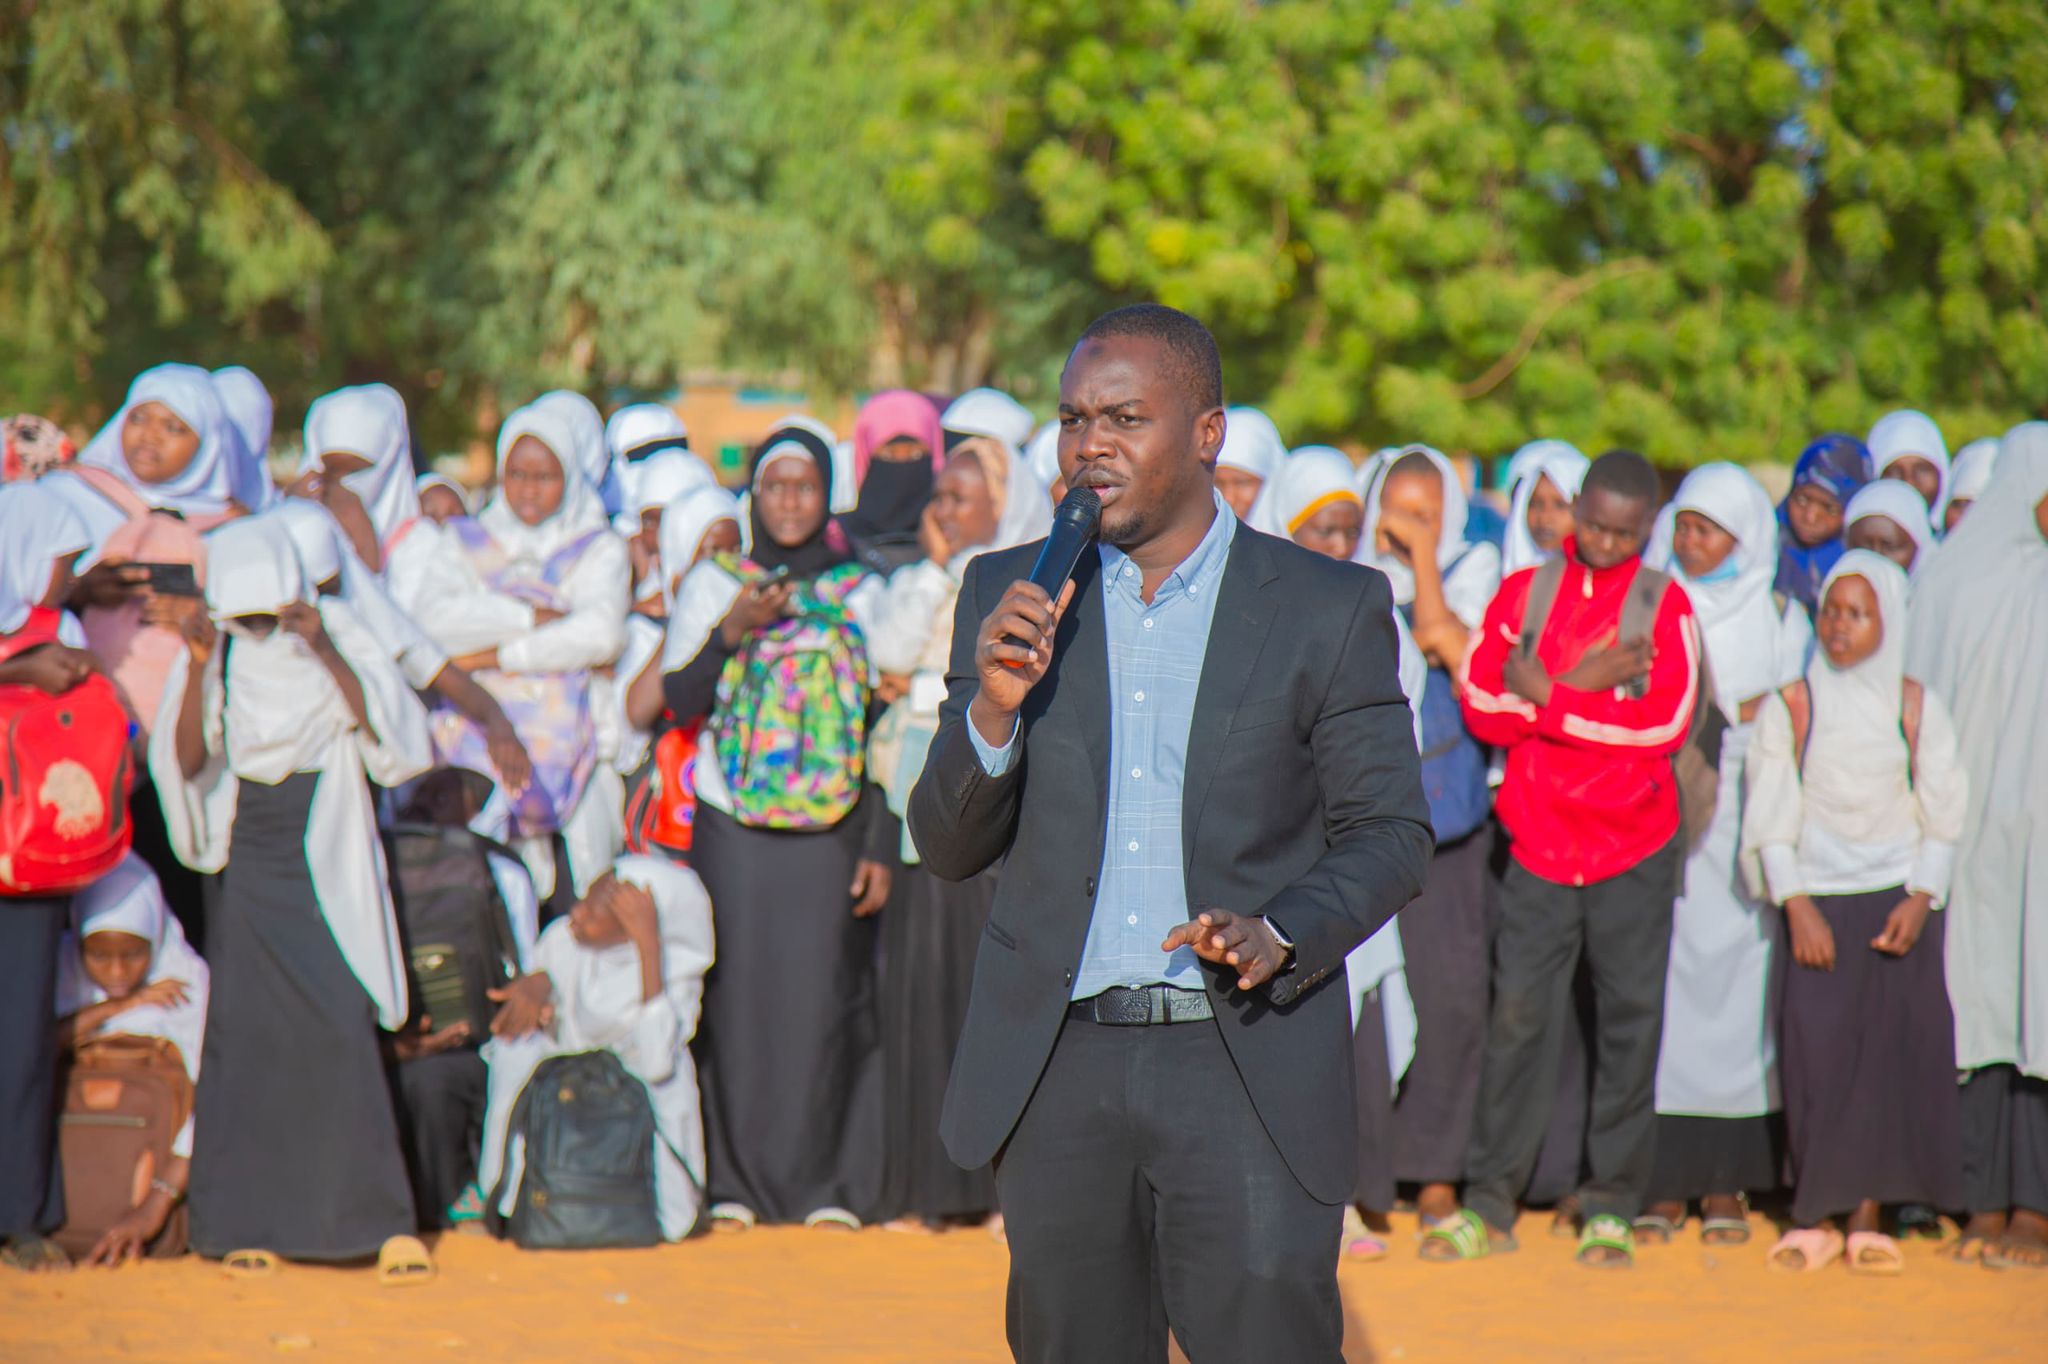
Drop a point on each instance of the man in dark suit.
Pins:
(1199, 773)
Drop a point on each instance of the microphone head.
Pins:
(1081, 508)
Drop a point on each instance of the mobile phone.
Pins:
(774, 577)
(171, 580)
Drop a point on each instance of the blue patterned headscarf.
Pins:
(1839, 465)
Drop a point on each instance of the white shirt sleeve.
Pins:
(901, 626)
(432, 581)
(594, 630)
(1942, 790)
(1775, 808)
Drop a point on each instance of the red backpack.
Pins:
(65, 770)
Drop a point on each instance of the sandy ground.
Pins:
(792, 1295)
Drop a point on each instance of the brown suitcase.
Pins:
(124, 1100)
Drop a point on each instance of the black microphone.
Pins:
(1074, 524)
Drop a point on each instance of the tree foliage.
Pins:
(1706, 228)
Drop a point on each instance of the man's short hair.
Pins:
(1197, 365)
(1625, 474)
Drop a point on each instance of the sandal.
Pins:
(248, 1264)
(1874, 1253)
(403, 1261)
(1969, 1248)
(833, 1219)
(1464, 1236)
(33, 1254)
(1607, 1232)
(731, 1217)
(1358, 1239)
(1815, 1248)
(1655, 1229)
(468, 1208)
(2015, 1253)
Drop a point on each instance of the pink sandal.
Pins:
(1815, 1247)
(1874, 1253)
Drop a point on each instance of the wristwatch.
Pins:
(1286, 944)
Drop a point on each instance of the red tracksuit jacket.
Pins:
(1588, 791)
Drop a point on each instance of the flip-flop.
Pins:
(731, 1217)
(832, 1219)
(1999, 1255)
(33, 1254)
(1725, 1231)
(1655, 1229)
(1467, 1236)
(251, 1263)
(404, 1262)
(1816, 1247)
(1607, 1232)
(1874, 1253)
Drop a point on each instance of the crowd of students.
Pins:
(1738, 893)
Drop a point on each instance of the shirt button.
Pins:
(1133, 920)
(1137, 772)
(1134, 845)
(1139, 697)
(1148, 622)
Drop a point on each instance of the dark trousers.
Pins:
(439, 1103)
(31, 1194)
(1623, 927)
(2005, 1141)
(1140, 1189)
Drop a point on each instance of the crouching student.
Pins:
(270, 734)
(623, 973)
(126, 970)
(1856, 802)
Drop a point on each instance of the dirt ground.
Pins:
(875, 1296)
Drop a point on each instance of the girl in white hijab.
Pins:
(651, 485)
(1717, 1075)
(125, 969)
(172, 446)
(1968, 478)
(1252, 452)
(1415, 534)
(638, 431)
(271, 733)
(698, 523)
(1311, 497)
(1542, 478)
(624, 973)
(531, 597)
(441, 510)
(1980, 640)
(249, 409)
(358, 439)
(1908, 446)
(593, 458)
(1856, 801)
(41, 541)
(1888, 517)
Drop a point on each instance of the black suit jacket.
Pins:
(1303, 800)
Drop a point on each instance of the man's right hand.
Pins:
(1009, 670)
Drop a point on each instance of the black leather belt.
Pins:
(1121, 1007)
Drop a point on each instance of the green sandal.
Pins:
(1607, 1232)
(1465, 1236)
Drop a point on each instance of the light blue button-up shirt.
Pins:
(1156, 652)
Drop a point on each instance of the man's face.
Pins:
(1131, 433)
(1610, 527)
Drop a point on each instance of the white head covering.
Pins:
(1972, 470)
(1897, 502)
(638, 424)
(989, 412)
(1736, 610)
(205, 485)
(661, 478)
(368, 421)
(605, 982)
(580, 511)
(426, 481)
(684, 524)
(129, 900)
(1856, 752)
(1471, 572)
(585, 428)
(314, 536)
(37, 528)
(1023, 506)
(1043, 455)
(1555, 460)
(249, 409)
(1251, 442)
(1301, 485)
(1907, 432)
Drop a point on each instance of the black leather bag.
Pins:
(589, 1177)
(452, 921)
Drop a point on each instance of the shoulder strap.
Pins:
(1912, 699)
(114, 488)
(514, 1128)
(39, 629)
(1543, 589)
(1645, 598)
(1798, 699)
(564, 559)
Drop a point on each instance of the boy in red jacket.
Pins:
(1590, 723)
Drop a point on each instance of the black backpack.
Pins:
(589, 1179)
(451, 919)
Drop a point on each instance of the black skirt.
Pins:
(1445, 945)
(788, 1057)
(1868, 1052)
(31, 1194)
(294, 1145)
(930, 933)
(1697, 1157)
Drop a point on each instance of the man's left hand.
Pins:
(1232, 940)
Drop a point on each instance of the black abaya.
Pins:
(295, 1146)
(31, 1194)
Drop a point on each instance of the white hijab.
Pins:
(129, 900)
(638, 424)
(1740, 617)
(325, 552)
(1301, 485)
(989, 412)
(1043, 455)
(206, 485)
(1907, 432)
(580, 511)
(37, 527)
(1972, 470)
(1469, 587)
(684, 524)
(1901, 504)
(1555, 460)
(368, 421)
(426, 481)
(600, 998)
(661, 478)
(277, 712)
(585, 428)
(1023, 505)
(1853, 780)
(250, 410)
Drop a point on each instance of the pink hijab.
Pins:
(887, 416)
